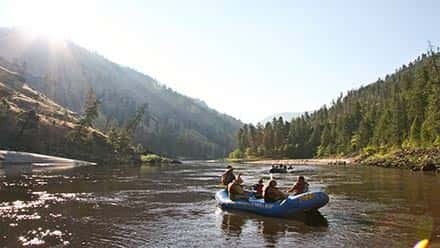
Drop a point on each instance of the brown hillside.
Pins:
(30, 121)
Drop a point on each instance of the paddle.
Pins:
(422, 244)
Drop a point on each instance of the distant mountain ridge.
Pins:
(287, 116)
(177, 125)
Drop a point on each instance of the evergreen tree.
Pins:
(268, 140)
(134, 122)
(414, 133)
(91, 108)
(27, 120)
(402, 109)
(431, 125)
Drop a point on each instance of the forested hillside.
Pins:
(401, 110)
(174, 125)
(30, 121)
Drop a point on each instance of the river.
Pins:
(174, 206)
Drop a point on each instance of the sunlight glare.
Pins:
(57, 20)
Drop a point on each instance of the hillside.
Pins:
(176, 125)
(401, 111)
(30, 121)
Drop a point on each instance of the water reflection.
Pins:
(15, 171)
(18, 170)
(234, 223)
(173, 206)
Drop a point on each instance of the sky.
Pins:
(249, 59)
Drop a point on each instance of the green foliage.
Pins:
(355, 142)
(153, 159)
(119, 140)
(237, 153)
(91, 112)
(134, 122)
(201, 131)
(431, 125)
(27, 120)
(369, 150)
(414, 133)
(402, 110)
(437, 142)
(90, 109)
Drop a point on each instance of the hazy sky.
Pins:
(248, 59)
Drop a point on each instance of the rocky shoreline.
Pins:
(156, 159)
(312, 161)
(420, 159)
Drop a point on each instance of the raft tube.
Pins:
(277, 170)
(292, 205)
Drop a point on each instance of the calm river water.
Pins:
(174, 206)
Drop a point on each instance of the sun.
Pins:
(52, 31)
(56, 19)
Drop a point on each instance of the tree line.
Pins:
(399, 111)
(183, 127)
(118, 137)
(26, 127)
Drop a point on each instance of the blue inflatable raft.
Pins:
(292, 205)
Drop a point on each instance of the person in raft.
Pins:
(228, 176)
(301, 186)
(235, 190)
(271, 193)
(258, 189)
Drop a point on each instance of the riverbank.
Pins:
(313, 161)
(13, 157)
(416, 159)
(156, 159)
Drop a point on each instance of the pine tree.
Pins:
(414, 133)
(365, 131)
(27, 120)
(268, 140)
(324, 148)
(431, 125)
(135, 121)
(252, 141)
(91, 108)
(402, 109)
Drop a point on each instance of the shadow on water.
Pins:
(15, 171)
(12, 171)
(271, 229)
(312, 219)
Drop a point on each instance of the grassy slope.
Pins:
(179, 125)
(54, 122)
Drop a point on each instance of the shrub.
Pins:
(237, 153)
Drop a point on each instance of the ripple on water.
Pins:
(174, 206)
(40, 237)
